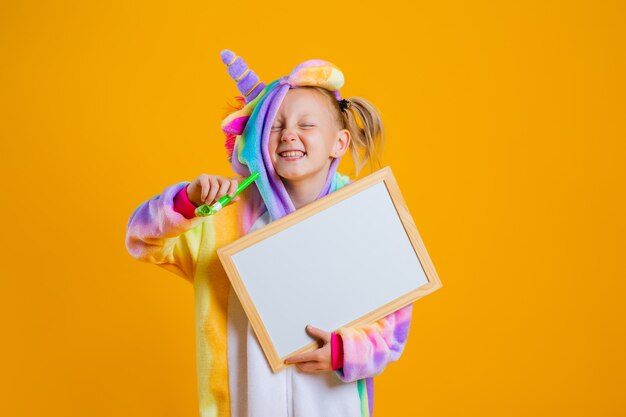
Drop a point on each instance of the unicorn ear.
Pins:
(235, 125)
(317, 72)
(248, 82)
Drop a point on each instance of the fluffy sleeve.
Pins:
(368, 349)
(158, 234)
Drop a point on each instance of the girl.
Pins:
(293, 132)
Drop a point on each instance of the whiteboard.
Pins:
(347, 258)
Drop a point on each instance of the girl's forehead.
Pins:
(304, 101)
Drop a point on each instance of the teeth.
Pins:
(290, 154)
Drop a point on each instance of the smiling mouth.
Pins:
(292, 154)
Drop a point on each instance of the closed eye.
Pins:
(304, 125)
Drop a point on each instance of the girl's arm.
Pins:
(368, 349)
(163, 231)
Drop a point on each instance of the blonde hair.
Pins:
(366, 128)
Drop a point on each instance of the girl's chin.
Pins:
(291, 176)
(297, 173)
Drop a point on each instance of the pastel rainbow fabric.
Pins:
(158, 234)
(251, 125)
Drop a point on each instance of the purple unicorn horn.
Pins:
(247, 81)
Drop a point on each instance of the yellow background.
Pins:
(506, 134)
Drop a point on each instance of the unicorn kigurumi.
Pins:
(293, 132)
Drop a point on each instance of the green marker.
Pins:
(206, 210)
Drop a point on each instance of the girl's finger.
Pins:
(205, 187)
(304, 357)
(304, 366)
(214, 187)
(233, 186)
(232, 190)
(310, 367)
(234, 200)
(318, 333)
(224, 186)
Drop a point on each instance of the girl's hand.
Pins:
(207, 189)
(318, 360)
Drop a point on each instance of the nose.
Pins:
(288, 137)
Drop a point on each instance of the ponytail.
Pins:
(366, 127)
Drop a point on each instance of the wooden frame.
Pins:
(227, 255)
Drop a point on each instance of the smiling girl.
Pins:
(293, 132)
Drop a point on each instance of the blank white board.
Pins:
(352, 257)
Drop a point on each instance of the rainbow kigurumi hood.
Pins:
(248, 128)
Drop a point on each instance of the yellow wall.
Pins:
(506, 134)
